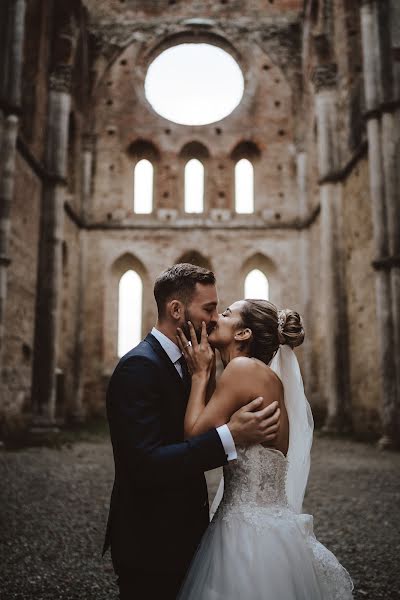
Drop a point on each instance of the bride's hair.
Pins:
(270, 328)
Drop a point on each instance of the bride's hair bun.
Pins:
(290, 328)
(270, 328)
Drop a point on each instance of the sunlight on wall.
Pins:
(194, 186)
(129, 312)
(244, 187)
(143, 187)
(256, 286)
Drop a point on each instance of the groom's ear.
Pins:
(176, 310)
(243, 335)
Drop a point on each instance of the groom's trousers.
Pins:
(143, 585)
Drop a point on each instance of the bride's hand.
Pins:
(199, 357)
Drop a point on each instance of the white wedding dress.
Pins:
(259, 546)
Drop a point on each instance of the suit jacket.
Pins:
(159, 503)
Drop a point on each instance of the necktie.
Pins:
(187, 380)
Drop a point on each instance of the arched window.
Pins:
(129, 311)
(143, 187)
(194, 186)
(256, 285)
(244, 187)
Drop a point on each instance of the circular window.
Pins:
(194, 84)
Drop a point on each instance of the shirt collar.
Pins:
(167, 345)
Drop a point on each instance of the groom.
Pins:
(159, 502)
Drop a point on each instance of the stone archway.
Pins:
(268, 268)
(195, 258)
(119, 267)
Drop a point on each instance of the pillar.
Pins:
(305, 255)
(383, 141)
(9, 122)
(335, 346)
(87, 173)
(50, 253)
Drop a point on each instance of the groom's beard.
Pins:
(186, 330)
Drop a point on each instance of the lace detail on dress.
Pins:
(254, 487)
(334, 580)
(258, 477)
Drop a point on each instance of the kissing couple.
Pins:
(170, 421)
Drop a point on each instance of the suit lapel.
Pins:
(159, 350)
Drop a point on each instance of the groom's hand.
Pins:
(250, 425)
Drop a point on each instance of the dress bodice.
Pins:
(256, 478)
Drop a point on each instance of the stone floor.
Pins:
(53, 508)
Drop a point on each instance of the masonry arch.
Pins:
(256, 285)
(144, 157)
(244, 157)
(125, 263)
(258, 266)
(195, 258)
(194, 164)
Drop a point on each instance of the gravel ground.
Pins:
(53, 509)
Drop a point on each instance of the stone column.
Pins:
(87, 173)
(303, 205)
(6, 193)
(383, 143)
(391, 166)
(14, 52)
(9, 121)
(393, 129)
(331, 260)
(76, 411)
(50, 256)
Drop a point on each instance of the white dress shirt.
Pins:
(174, 355)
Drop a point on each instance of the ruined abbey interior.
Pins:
(319, 128)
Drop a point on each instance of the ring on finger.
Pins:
(188, 344)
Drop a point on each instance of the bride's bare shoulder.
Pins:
(244, 366)
(240, 364)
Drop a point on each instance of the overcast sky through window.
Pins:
(129, 312)
(256, 286)
(194, 84)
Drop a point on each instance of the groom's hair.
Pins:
(179, 283)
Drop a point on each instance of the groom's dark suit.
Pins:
(159, 505)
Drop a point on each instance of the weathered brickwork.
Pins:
(74, 89)
(16, 383)
(361, 303)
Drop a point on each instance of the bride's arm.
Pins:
(200, 359)
(231, 393)
(235, 388)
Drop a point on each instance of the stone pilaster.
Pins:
(15, 52)
(305, 254)
(9, 122)
(87, 173)
(76, 411)
(8, 150)
(384, 140)
(50, 257)
(334, 334)
(391, 162)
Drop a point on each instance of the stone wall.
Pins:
(88, 60)
(71, 307)
(124, 122)
(15, 386)
(149, 254)
(365, 379)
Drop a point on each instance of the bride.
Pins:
(259, 545)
